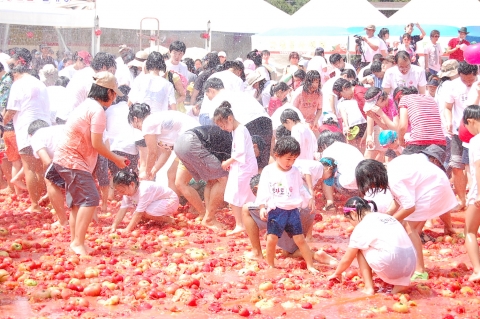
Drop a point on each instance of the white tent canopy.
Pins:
(247, 16)
(338, 13)
(45, 14)
(440, 12)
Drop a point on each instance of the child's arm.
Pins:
(346, 261)
(263, 213)
(402, 125)
(226, 164)
(136, 218)
(118, 218)
(477, 177)
(308, 180)
(346, 125)
(44, 157)
(369, 139)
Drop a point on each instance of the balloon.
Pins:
(472, 54)
(463, 46)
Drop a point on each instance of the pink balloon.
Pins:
(472, 54)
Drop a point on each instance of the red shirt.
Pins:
(458, 54)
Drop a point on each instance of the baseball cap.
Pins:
(387, 137)
(107, 80)
(449, 68)
(436, 152)
(87, 58)
(222, 53)
(370, 26)
(433, 82)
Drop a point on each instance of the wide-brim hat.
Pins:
(464, 30)
(436, 152)
(139, 61)
(107, 80)
(449, 68)
(254, 77)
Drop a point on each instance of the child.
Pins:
(44, 139)
(471, 119)
(301, 132)
(279, 94)
(380, 243)
(151, 200)
(329, 123)
(242, 165)
(389, 139)
(280, 193)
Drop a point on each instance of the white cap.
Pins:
(222, 53)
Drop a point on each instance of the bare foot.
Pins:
(7, 191)
(309, 239)
(34, 208)
(313, 270)
(474, 277)
(449, 231)
(324, 258)
(368, 291)
(57, 224)
(19, 183)
(398, 288)
(213, 225)
(256, 255)
(236, 230)
(429, 224)
(79, 250)
(44, 200)
(95, 214)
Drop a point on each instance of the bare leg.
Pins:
(32, 168)
(171, 173)
(366, 273)
(447, 224)
(111, 191)
(213, 202)
(328, 193)
(411, 228)
(16, 168)
(104, 197)
(84, 217)
(239, 227)
(253, 232)
(182, 181)
(324, 258)
(3, 183)
(7, 171)
(398, 288)
(271, 246)
(160, 219)
(142, 162)
(460, 183)
(56, 199)
(472, 222)
(72, 220)
(306, 252)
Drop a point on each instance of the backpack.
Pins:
(183, 79)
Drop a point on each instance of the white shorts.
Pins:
(163, 207)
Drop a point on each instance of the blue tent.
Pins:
(445, 30)
(305, 31)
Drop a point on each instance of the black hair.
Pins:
(99, 93)
(212, 60)
(376, 66)
(223, 112)
(36, 125)
(155, 61)
(32, 72)
(373, 91)
(466, 69)
(138, 110)
(300, 74)
(402, 55)
(289, 114)
(367, 72)
(330, 121)
(257, 139)
(408, 35)
(293, 54)
(406, 90)
(312, 75)
(329, 162)
(334, 58)
(282, 131)
(213, 83)
(125, 89)
(237, 65)
(190, 64)
(382, 32)
(256, 57)
(377, 57)
(126, 178)
(319, 52)
(286, 145)
(280, 86)
(362, 206)
(2, 68)
(177, 46)
(371, 176)
(166, 56)
(22, 53)
(433, 32)
(62, 81)
(266, 52)
(327, 138)
(341, 84)
(349, 73)
(254, 181)
(103, 59)
(471, 112)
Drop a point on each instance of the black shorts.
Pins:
(141, 143)
(26, 151)
(52, 175)
(133, 163)
(262, 127)
(101, 171)
(80, 187)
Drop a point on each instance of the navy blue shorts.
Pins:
(280, 220)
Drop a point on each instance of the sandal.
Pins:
(426, 238)
(330, 208)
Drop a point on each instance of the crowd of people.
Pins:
(389, 135)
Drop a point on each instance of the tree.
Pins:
(288, 6)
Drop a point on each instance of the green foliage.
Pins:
(288, 6)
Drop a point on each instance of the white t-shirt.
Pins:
(347, 66)
(308, 142)
(29, 97)
(457, 95)
(440, 96)
(154, 90)
(281, 189)
(68, 72)
(415, 181)
(263, 71)
(327, 92)
(369, 52)
(48, 138)
(78, 89)
(347, 157)
(278, 112)
(310, 167)
(119, 132)
(434, 52)
(231, 82)
(123, 75)
(180, 68)
(474, 156)
(147, 193)
(317, 63)
(473, 94)
(393, 78)
(354, 115)
(57, 95)
(383, 200)
(168, 126)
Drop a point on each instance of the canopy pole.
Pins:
(61, 40)
(5, 37)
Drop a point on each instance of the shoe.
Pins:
(419, 276)
(330, 208)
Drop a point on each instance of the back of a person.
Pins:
(245, 107)
(57, 95)
(151, 191)
(48, 137)
(347, 157)
(231, 82)
(80, 85)
(155, 91)
(278, 112)
(68, 72)
(307, 140)
(168, 125)
(120, 133)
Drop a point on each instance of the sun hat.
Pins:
(436, 152)
(463, 29)
(139, 61)
(449, 68)
(370, 26)
(254, 77)
(107, 80)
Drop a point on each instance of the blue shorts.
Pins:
(280, 220)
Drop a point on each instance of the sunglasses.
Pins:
(436, 36)
(347, 211)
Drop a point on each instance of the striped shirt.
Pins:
(377, 82)
(424, 119)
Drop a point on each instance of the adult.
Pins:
(48, 75)
(455, 45)
(309, 99)
(246, 110)
(27, 102)
(404, 74)
(222, 56)
(433, 54)
(371, 45)
(122, 73)
(76, 155)
(43, 58)
(177, 51)
(338, 62)
(231, 76)
(384, 35)
(347, 157)
(454, 106)
(256, 57)
(271, 68)
(414, 180)
(414, 38)
(408, 47)
(293, 59)
(201, 151)
(152, 88)
(210, 62)
(259, 88)
(82, 60)
(319, 63)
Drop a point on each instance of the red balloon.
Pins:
(98, 32)
(29, 34)
(472, 54)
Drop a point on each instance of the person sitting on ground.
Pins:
(151, 200)
(380, 243)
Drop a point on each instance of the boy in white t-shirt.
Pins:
(280, 194)
(177, 50)
(44, 139)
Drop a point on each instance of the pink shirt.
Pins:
(75, 150)
(309, 104)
